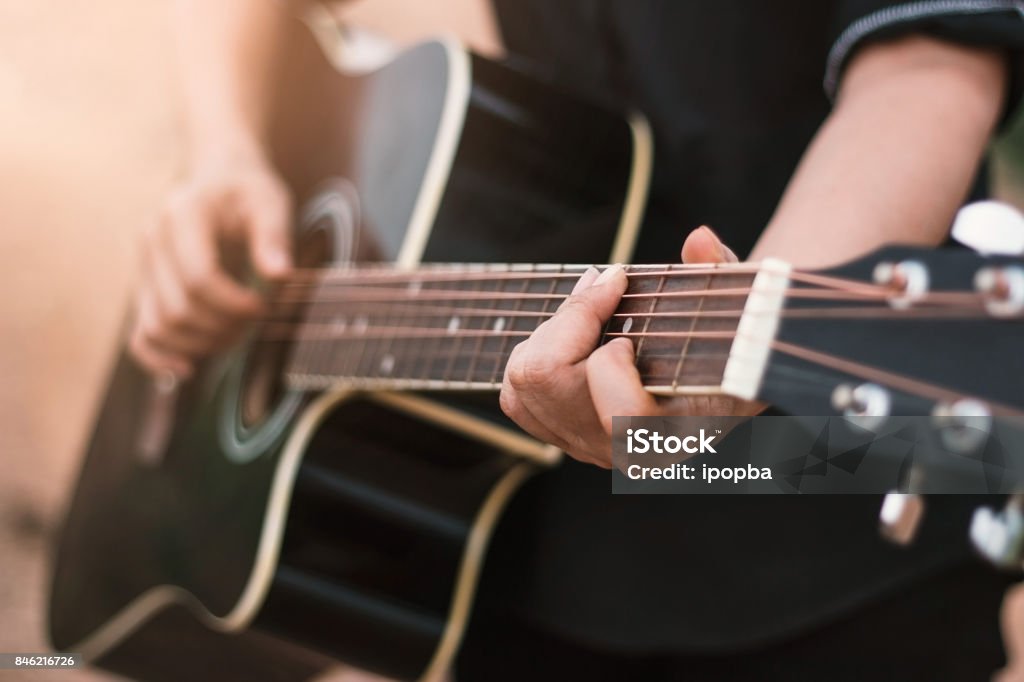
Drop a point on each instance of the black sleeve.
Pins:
(982, 23)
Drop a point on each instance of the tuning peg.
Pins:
(900, 517)
(1002, 288)
(908, 280)
(964, 425)
(999, 536)
(990, 228)
(864, 405)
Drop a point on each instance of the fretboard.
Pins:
(454, 327)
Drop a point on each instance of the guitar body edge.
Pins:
(355, 529)
(149, 604)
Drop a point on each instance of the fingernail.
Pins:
(585, 280)
(624, 342)
(608, 274)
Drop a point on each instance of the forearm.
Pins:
(897, 156)
(226, 56)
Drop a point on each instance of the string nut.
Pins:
(964, 425)
(908, 280)
(1002, 289)
(866, 405)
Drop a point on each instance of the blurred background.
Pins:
(89, 142)
(90, 133)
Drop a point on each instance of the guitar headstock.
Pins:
(902, 331)
(917, 332)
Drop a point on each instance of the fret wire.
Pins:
(471, 366)
(504, 339)
(349, 357)
(365, 348)
(297, 353)
(390, 346)
(428, 365)
(356, 347)
(458, 272)
(646, 378)
(457, 348)
(328, 353)
(380, 295)
(396, 349)
(551, 295)
(686, 344)
(647, 320)
(466, 354)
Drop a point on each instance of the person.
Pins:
(582, 584)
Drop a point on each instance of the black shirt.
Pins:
(734, 90)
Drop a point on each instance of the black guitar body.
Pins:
(233, 529)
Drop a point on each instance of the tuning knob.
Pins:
(900, 517)
(964, 425)
(865, 405)
(990, 227)
(999, 536)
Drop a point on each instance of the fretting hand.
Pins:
(561, 390)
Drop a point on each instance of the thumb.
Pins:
(703, 246)
(571, 334)
(269, 236)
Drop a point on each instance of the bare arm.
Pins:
(892, 163)
(227, 52)
(230, 197)
(896, 157)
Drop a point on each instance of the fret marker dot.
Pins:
(361, 324)
(453, 324)
(414, 287)
(339, 325)
(627, 325)
(387, 363)
(499, 324)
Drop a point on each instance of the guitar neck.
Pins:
(454, 327)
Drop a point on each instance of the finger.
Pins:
(173, 303)
(513, 407)
(547, 370)
(269, 234)
(193, 239)
(163, 331)
(615, 385)
(155, 360)
(554, 407)
(585, 281)
(703, 246)
(573, 332)
(1009, 674)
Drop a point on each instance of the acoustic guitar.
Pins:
(326, 491)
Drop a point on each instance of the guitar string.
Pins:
(894, 380)
(848, 291)
(328, 325)
(402, 295)
(897, 381)
(810, 312)
(359, 277)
